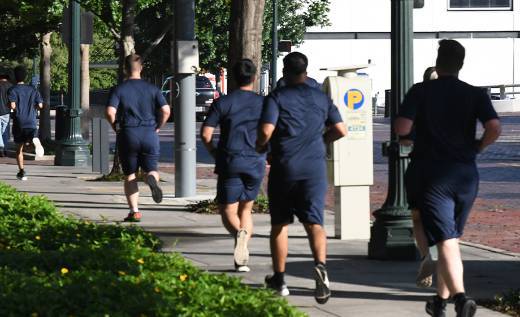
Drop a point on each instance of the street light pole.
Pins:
(274, 46)
(72, 150)
(391, 235)
(184, 109)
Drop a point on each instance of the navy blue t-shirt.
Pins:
(238, 115)
(26, 99)
(137, 102)
(300, 114)
(445, 113)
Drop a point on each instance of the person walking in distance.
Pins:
(239, 167)
(293, 122)
(137, 110)
(442, 177)
(424, 276)
(5, 113)
(25, 101)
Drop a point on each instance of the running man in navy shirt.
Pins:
(297, 121)
(136, 111)
(25, 101)
(239, 167)
(442, 178)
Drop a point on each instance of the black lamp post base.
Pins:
(72, 155)
(392, 240)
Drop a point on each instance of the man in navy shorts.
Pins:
(25, 101)
(442, 178)
(136, 111)
(298, 120)
(239, 167)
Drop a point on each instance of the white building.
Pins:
(360, 31)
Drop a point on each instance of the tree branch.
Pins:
(158, 39)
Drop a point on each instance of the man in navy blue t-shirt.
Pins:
(136, 110)
(297, 121)
(25, 101)
(239, 167)
(442, 178)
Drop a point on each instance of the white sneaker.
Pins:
(38, 148)
(425, 274)
(241, 253)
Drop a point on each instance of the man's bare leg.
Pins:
(427, 267)
(132, 192)
(318, 242)
(279, 248)
(19, 155)
(230, 219)
(450, 266)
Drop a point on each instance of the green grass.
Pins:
(51, 265)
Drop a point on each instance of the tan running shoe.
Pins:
(241, 253)
(425, 274)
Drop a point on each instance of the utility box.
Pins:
(187, 57)
(350, 159)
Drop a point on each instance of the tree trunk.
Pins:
(45, 89)
(126, 47)
(245, 35)
(85, 91)
(127, 43)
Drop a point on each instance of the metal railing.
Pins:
(503, 91)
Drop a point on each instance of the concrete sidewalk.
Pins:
(361, 287)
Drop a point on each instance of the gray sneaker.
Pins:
(425, 274)
(241, 253)
(38, 148)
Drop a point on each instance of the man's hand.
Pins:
(110, 114)
(335, 132)
(492, 130)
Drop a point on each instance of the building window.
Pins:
(480, 4)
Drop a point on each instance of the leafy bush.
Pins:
(210, 206)
(507, 302)
(51, 265)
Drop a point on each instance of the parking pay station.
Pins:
(350, 159)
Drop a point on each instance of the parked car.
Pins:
(205, 93)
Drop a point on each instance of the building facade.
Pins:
(360, 33)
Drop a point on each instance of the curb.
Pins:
(490, 249)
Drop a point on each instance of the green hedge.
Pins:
(51, 265)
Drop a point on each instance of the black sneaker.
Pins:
(322, 292)
(242, 268)
(281, 289)
(154, 187)
(465, 307)
(436, 306)
(21, 175)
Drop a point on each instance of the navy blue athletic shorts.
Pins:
(444, 193)
(241, 187)
(138, 147)
(23, 135)
(304, 199)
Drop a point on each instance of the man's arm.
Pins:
(206, 135)
(403, 126)
(335, 132)
(265, 133)
(492, 130)
(165, 114)
(110, 114)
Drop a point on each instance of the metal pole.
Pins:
(274, 46)
(391, 235)
(184, 109)
(72, 149)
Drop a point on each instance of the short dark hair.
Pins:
(133, 62)
(4, 76)
(244, 72)
(450, 56)
(295, 64)
(428, 73)
(20, 73)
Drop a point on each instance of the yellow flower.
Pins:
(183, 277)
(78, 235)
(37, 237)
(157, 290)
(122, 273)
(64, 270)
(140, 261)
(34, 315)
